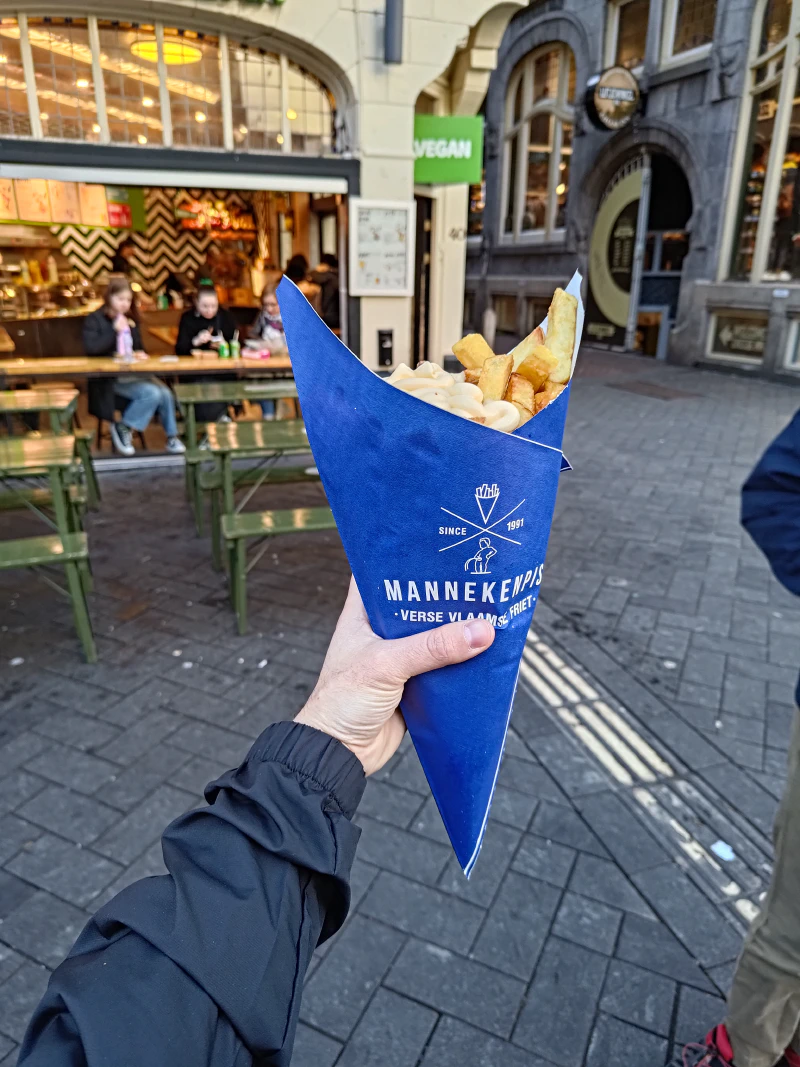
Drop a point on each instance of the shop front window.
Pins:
(14, 115)
(125, 82)
(538, 143)
(193, 81)
(689, 26)
(628, 33)
(477, 205)
(131, 83)
(62, 66)
(766, 234)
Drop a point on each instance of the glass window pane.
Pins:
(193, 81)
(505, 307)
(534, 214)
(508, 225)
(518, 99)
(14, 119)
(783, 262)
(128, 57)
(256, 99)
(477, 203)
(62, 62)
(562, 186)
(694, 25)
(632, 33)
(545, 76)
(571, 78)
(765, 105)
(776, 23)
(310, 113)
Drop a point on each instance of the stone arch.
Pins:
(472, 67)
(661, 136)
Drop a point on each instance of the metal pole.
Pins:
(638, 254)
(393, 32)
(341, 233)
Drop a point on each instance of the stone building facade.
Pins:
(721, 133)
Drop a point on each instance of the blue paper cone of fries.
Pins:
(445, 517)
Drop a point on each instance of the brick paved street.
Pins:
(629, 841)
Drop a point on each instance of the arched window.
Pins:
(125, 82)
(767, 238)
(538, 144)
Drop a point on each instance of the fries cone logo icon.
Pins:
(486, 496)
(400, 476)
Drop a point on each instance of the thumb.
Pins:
(452, 643)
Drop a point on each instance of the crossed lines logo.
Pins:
(486, 497)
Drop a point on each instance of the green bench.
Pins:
(237, 529)
(70, 551)
(36, 499)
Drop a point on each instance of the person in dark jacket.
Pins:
(762, 1027)
(107, 330)
(122, 260)
(202, 327)
(204, 966)
(326, 276)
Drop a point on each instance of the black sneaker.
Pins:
(122, 438)
(716, 1051)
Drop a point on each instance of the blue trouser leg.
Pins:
(145, 399)
(267, 407)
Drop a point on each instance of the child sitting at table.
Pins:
(111, 329)
(201, 328)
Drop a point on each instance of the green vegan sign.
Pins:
(448, 149)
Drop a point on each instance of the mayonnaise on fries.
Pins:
(502, 392)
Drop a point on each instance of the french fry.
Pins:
(560, 339)
(472, 376)
(550, 392)
(527, 345)
(521, 392)
(524, 414)
(472, 351)
(538, 366)
(494, 377)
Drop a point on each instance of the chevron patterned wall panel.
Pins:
(164, 247)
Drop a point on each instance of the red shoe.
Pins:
(716, 1051)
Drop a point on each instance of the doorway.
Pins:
(639, 244)
(422, 279)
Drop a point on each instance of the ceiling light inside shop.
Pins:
(176, 53)
(199, 116)
(243, 131)
(96, 127)
(82, 83)
(141, 139)
(3, 59)
(82, 103)
(279, 138)
(561, 189)
(76, 52)
(147, 101)
(291, 113)
(43, 116)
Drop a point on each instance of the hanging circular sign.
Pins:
(612, 98)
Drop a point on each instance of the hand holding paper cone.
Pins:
(442, 523)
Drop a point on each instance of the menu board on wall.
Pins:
(8, 202)
(33, 202)
(64, 202)
(381, 247)
(94, 207)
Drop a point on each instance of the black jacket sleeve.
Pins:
(204, 967)
(99, 337)
(186, 334)
(771, 505)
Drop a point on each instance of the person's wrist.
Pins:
(313, 715)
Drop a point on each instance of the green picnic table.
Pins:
(191, 394)
(58, 404)
(50, 459)
(261, 444)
